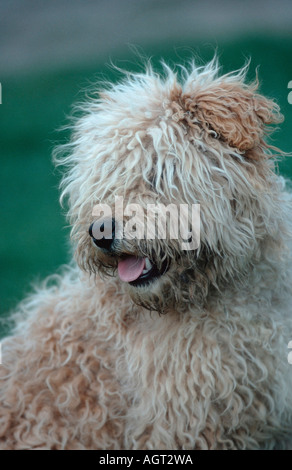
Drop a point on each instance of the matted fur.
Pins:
(198, 358)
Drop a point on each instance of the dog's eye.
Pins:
(213, 133)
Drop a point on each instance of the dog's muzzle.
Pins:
(103, 233)
(135, 270)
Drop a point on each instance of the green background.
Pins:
(34, 238)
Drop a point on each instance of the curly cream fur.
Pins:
(198, 358)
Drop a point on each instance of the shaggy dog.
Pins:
(143, 344)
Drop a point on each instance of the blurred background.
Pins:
(50, 52)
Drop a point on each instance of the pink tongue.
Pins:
(131, 268)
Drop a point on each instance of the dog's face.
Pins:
(153, 143)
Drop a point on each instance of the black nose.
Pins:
(102, 233)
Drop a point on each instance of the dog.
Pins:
(162, 342)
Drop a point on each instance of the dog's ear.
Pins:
(237, 114)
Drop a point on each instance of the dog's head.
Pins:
(152, 144)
